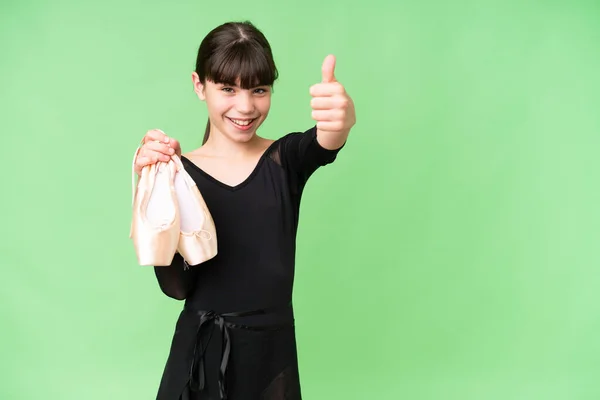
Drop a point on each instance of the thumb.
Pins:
(328, 68)
(174, 143)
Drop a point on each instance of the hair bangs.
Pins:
(242, 63)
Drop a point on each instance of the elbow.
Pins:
(176, 293)
(172, 282)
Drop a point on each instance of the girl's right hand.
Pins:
(156, 147)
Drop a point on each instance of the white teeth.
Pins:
(242, 123)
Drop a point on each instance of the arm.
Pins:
(333, 109)
(302, 154)
(177, 280)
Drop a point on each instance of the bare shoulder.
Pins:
(200, 152)
(266, 143)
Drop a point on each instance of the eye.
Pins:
(260, 91)
(227, 89)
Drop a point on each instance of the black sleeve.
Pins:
(301, 155)
(177, 280)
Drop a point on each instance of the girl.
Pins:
(234, 338)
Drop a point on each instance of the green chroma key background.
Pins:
(451, 252)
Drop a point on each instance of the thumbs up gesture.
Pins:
(332, 108)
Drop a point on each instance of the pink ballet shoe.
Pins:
(198, 236)
(156, 220)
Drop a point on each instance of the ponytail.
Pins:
(206, 131)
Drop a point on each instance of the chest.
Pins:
(228, 172)
(259, 203)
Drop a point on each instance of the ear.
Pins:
(198, 86)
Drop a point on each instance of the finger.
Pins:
(160, 148)
(152, 156)
(174, 144)
(332, 126)
(327, 115)
(142, 161)
(156, 134)
(327, 103)
(327, 89)
(328, 68)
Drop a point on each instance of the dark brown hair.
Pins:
(232, 51)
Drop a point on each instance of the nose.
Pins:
(245, 103)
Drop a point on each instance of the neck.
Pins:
(221, 146)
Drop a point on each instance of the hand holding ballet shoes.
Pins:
(169, 213)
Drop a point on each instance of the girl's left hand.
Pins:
(332, 107)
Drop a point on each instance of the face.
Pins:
(234, 112)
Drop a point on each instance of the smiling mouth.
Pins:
(242, 122)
